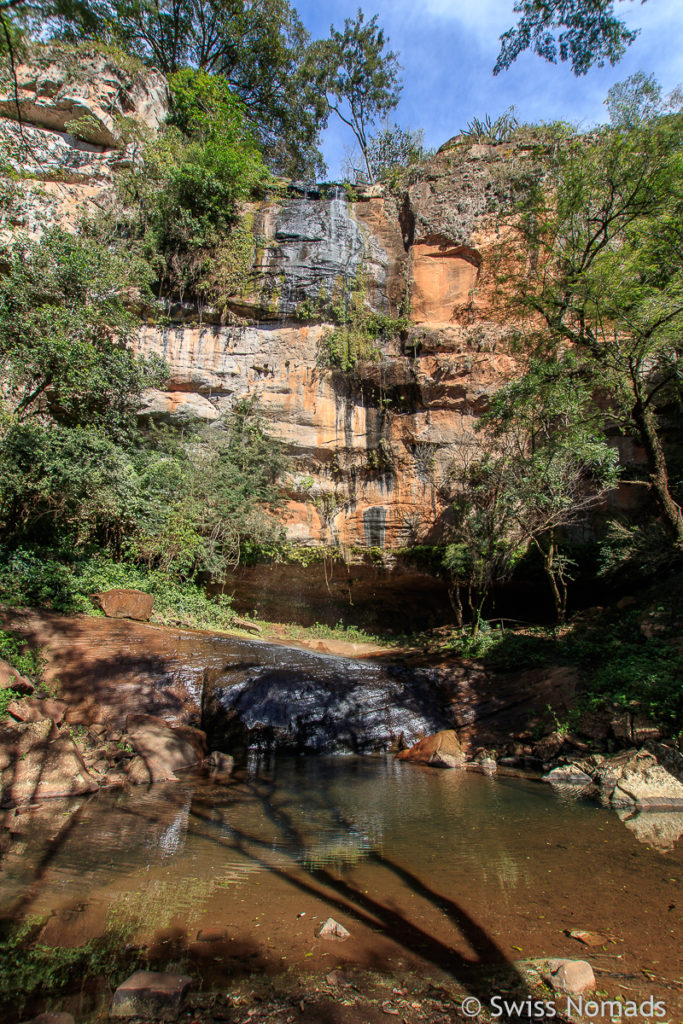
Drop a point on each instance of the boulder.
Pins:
(441, 750)
(641, 782)
(331, 929)
(40, 763)
(219, 763)
(176, 407)
(11, 679)
(151, 994)
(571, 976)
(632, 779)
(33, 709)
(550, 746)
(124, 604)
(569, 775)
(163, 749)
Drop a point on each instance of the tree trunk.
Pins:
(659, 473)
(557, 584)
(455, 599)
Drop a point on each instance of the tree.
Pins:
(71, 383)
(177, 203)
(65, 331)
(583, 32)
(259, 48)
(540, 463)
(638, 100)
(361, 81)
(558, 464)
(604, 230)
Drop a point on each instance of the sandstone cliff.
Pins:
(370, 448)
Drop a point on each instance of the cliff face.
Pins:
(371, 447)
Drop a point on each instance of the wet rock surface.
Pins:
(278, 698)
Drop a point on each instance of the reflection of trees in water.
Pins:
(310, 828)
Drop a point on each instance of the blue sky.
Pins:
(448, 47)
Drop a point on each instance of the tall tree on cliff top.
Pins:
(583, 32)
(258, 46)
(358, 78)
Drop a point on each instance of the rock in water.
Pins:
(333, 930)
(124, 604)
(164, 750)
(150, 994)
(219, 763)
(442, 750)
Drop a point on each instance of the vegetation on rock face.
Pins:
(175, 208)
(80, 482)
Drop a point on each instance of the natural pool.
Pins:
(430, 871)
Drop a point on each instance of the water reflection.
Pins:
(447, 867)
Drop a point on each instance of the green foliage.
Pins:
(503, 129)
(359, 334)
(257, 50)
(605, 277)
(639, 99)
(29, 969)
(51, 580)
(584, 32)
(177, 204)
(27, 660)
(541, 463)
(360, 80)
(64, 334)
(392, 151)
(6, 698)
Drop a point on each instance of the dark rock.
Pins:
(550, 746)
(151, 994)
(124, 604)
(279, 698)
